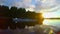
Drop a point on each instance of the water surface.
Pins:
(53, 22)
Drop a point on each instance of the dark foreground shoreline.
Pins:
(38, 29)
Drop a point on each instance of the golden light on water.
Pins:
(47, 15)
(45, 22)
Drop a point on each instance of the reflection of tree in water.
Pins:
(14, 12)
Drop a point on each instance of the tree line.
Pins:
(15, 12)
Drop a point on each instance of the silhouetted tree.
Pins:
(15, 12)
(4, 10)
(21, 12)
(4, 17)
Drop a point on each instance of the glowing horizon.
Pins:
(44, 6)
(50, 15)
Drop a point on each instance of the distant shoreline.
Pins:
(51, 18)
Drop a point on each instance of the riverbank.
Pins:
(37, 29)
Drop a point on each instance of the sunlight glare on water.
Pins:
(52, 22)
(45, 22)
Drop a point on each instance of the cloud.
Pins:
(23, 3)
(1, 2)
(37, 5)
(46, 4)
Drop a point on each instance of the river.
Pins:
(52, 22)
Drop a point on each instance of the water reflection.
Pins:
(53, 22)
(37, 29)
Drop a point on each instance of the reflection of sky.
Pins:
(36, 5)
(23, 20)
(52, 22)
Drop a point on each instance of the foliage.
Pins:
(15, 12)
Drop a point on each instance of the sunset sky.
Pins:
(49, 8)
